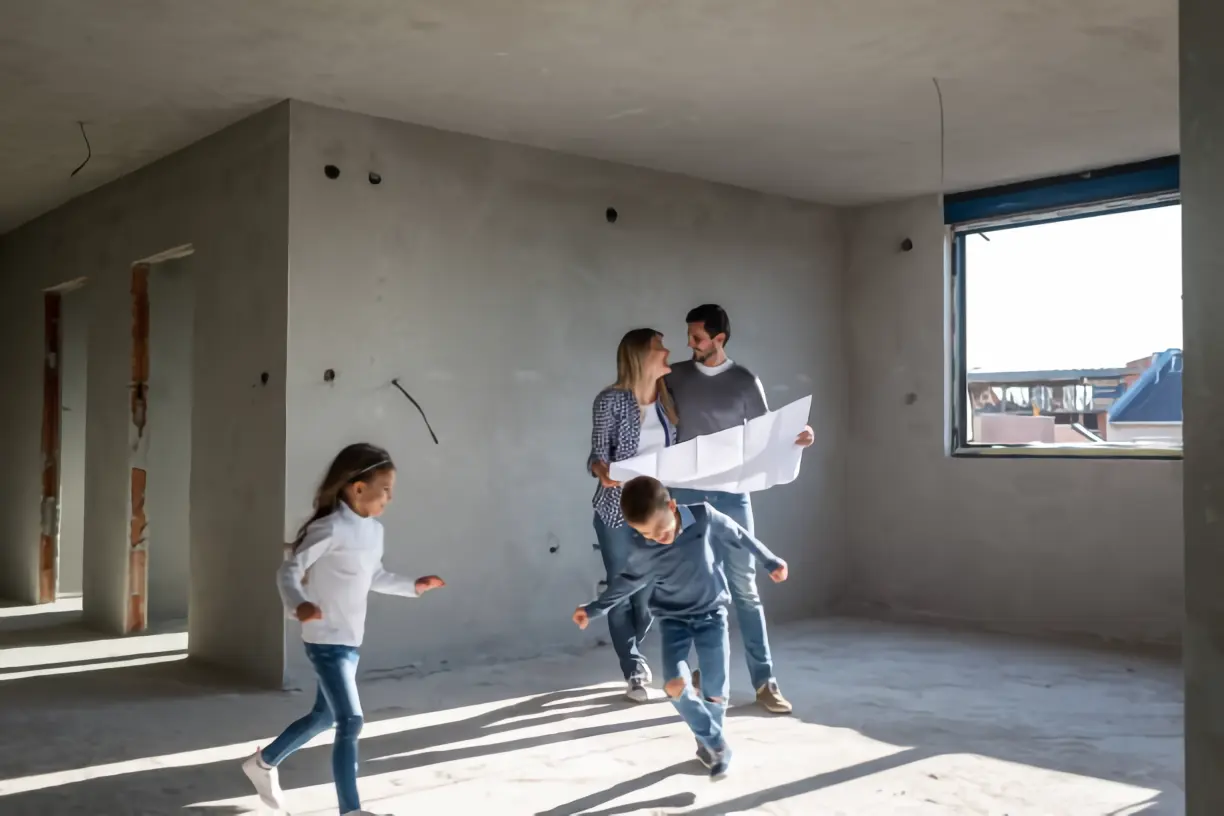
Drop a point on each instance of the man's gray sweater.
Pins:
(708, 404)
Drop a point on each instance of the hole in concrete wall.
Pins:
(611, 215)
(263, 378)
(331, 171)
(329, 375)
(907, 245)
(375, 178)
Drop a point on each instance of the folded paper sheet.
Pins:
(754, 456)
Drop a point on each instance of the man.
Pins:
(712, 393)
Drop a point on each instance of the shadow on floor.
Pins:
(47, 783)
(935, 730)
(49, 629)
(584, 805)
(312, 765)
(86, 664)
(94, 702)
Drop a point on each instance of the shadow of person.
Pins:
(647, 780)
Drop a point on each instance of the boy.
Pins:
(678, 566)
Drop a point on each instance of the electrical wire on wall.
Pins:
(428, 427)
(88, 150)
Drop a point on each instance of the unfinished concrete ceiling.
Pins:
(828, 100)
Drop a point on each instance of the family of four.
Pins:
(681, 556)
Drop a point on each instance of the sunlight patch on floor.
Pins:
(781, 767)
(61, 654)
(67, 603)
(969, 783)
(566, 763)
(239, 751)
(90, 667)
(888, 722)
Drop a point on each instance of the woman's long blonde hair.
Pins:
(630, 356)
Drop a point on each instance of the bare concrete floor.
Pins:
(889, 720)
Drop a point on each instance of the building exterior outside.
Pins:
(1139, 402)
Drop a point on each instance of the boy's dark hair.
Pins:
(641, 498)
(714, 318)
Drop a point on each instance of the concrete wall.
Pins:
(227, 195)
(1034, 545)
(74, 379)
(168, 498)
(485, 276)
(1202, 183)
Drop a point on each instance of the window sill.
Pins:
(1096, 450)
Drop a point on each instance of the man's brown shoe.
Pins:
(770, 698)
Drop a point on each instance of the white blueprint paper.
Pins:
(751, 457)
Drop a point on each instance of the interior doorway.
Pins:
(159, 435)
(65, 375)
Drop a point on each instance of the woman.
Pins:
(631, 417)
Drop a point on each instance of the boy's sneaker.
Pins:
(364, 813)
(637, 692)
(770, 698)
(265, 780)
(720, 763)
(704, 756)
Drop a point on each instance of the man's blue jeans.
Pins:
(740, 569)
(704, 712)
(336, 703)
(629, 620)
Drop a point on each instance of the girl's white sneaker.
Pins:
(265, 780)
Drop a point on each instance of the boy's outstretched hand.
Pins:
(427, 583)
(779, 575)
(581, 617)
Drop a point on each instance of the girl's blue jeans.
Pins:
(336, 704)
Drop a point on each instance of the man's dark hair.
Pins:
(714, 318)
(641, 498)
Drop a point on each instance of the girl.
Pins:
(341, 549)
(631, 417)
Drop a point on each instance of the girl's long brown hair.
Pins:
(630, 356)
(356, 463)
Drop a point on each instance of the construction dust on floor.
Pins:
(889, 721)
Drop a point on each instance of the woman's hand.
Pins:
(581, 618)
(428, 582)
(600, 470)
(308, 612)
